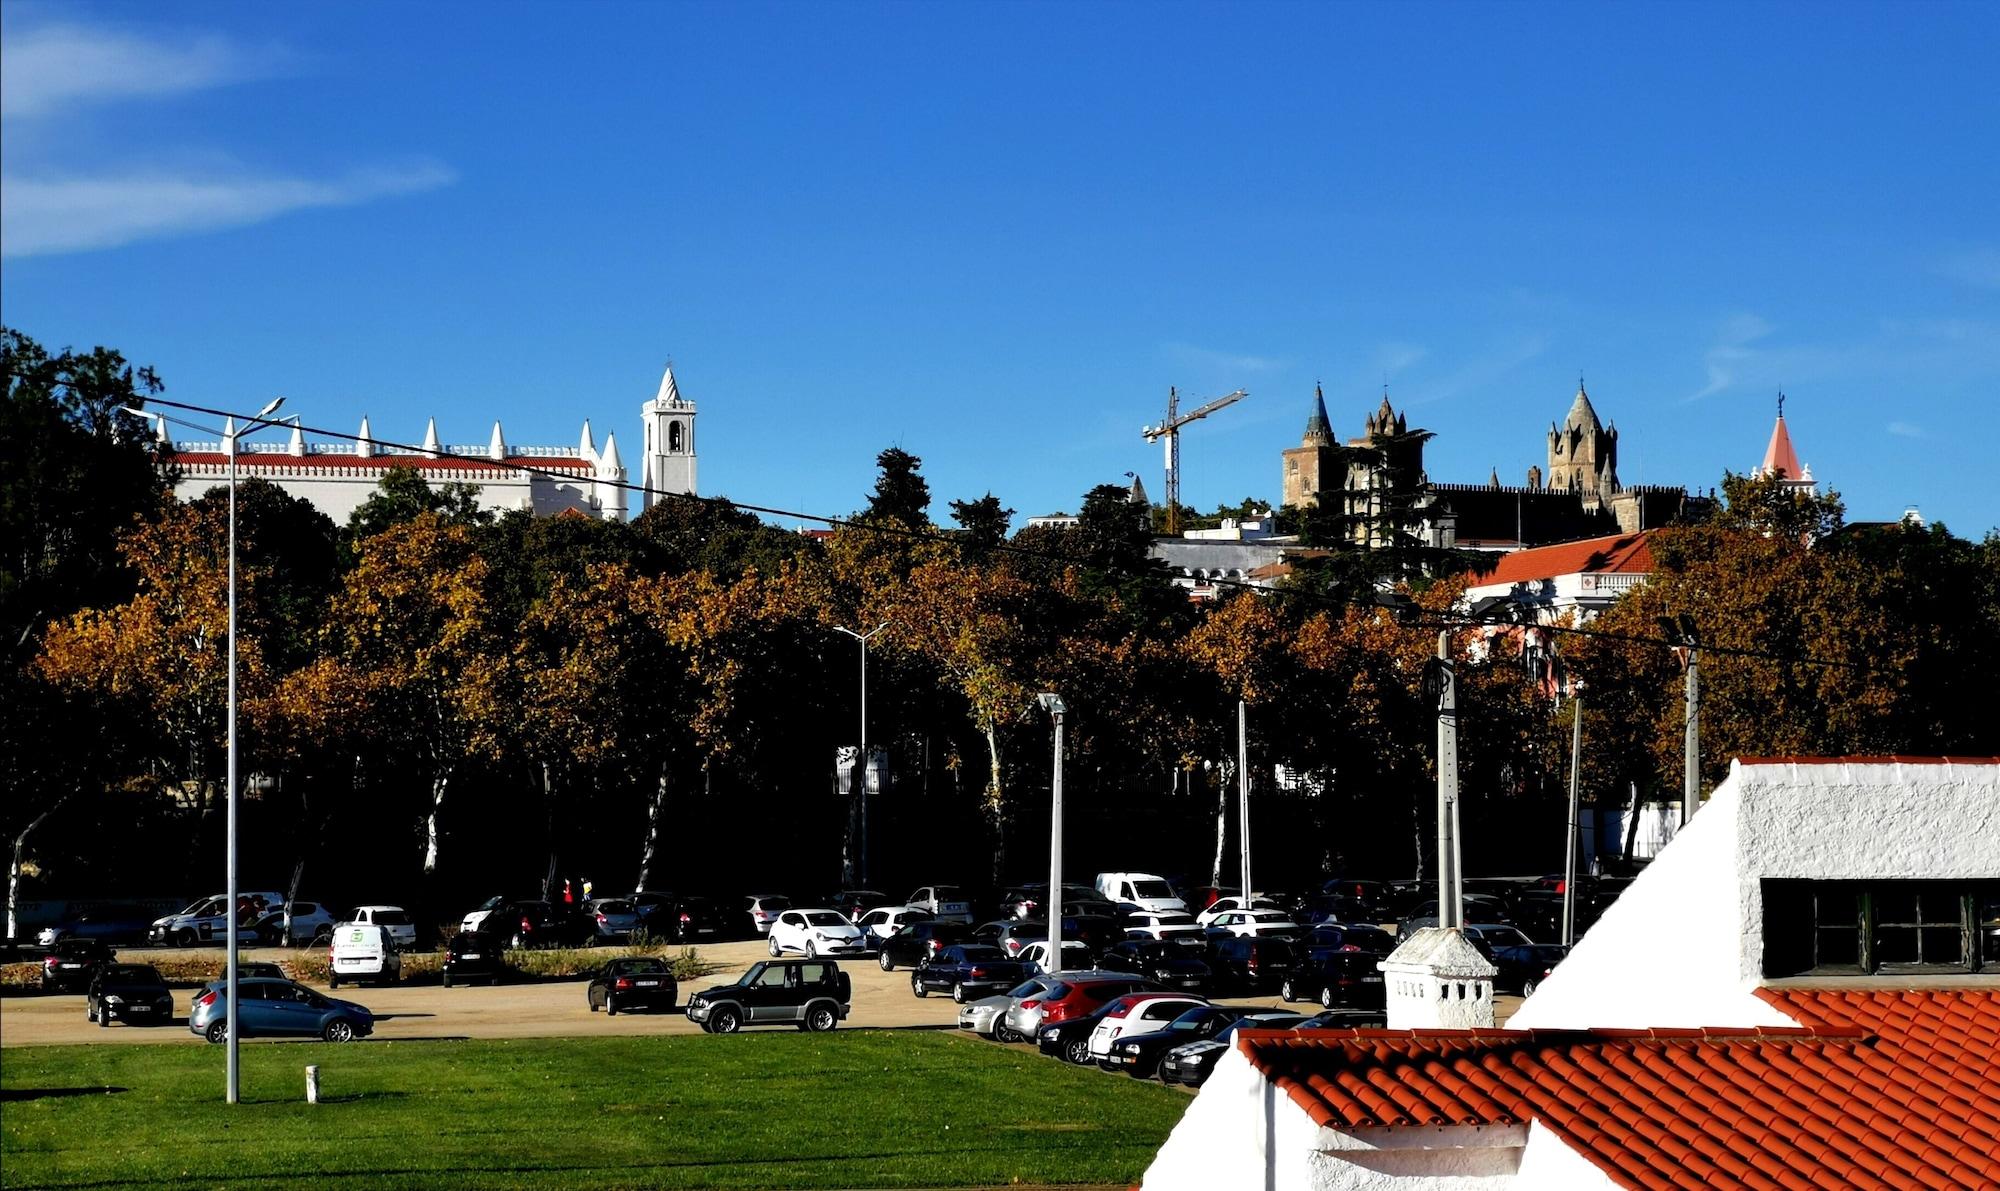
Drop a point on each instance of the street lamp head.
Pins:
(1051, 702)
(271, 408)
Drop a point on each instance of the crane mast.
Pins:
(1169, 432)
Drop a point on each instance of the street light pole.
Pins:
(861, 754)
(1054, 705)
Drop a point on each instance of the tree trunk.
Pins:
(1222, 784)
(14, 868)
(995, 803)
(431, 822)
(652, 830)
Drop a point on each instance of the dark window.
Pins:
(1862, 927)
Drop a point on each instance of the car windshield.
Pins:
(1276, 1021)
(74, 948)
(1027, 989)
(1174, 919)
(1056, 991)
(132, 974)
(948, 893)
(638, 966)
(1152, 889)
(776, 903)
(825, 918)
(391, 918)
(1192, 1019)
(614, 907)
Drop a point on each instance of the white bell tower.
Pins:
(670, 459)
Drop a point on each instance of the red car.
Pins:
(1077, 998)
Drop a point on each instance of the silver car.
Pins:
(612, 918)
(983, 1016)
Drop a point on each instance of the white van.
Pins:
(362, 951)
(1144, 890)
(401, 928)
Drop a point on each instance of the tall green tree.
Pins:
(901, 495)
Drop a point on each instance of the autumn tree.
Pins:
(403, 494)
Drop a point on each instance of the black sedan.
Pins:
(916, 942)
(474, 955)
(967, 971)
(1348, 979)
(1070, 1037)
(641, 983)
(1168, 965)
(133, 993)
(1138, 1055)
(1191, 1063)
(71, 963)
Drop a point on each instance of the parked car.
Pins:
(1070, 998)
(612, 919)
(1371, 898)
(252, 968)
(362, 951)
(1023, 1015)
(1348, 979)
(1253, 922)
(1168, 964)
(1068, 1037)
(1143, 890)
(642, 982)
(1360, 936)
(268, 1007)
(907, 947)
(966, 971)
(1346, 1019)
(884, 921)
(812, 994)
(393, 919)
(1523, 967)
(681, 917)
(1423, 913)
(1031, 900)
(948, 903)
(536, 924)
(491, 915)
(295, 924)
(814, 933)
(1172, 927)
(1136, 1014)
(853, 903)
(70, 964)
(984, 1015)
(1327, 907)
(764, 909)
(1225, 905)
(1191, 1063)
(1015, 937)
(474, 955)
(1076, 956)
(1251, 964)
(1138, 1054)
(207, 920)
(107, 924)
(133, 993)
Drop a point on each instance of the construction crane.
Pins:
(1170, 430)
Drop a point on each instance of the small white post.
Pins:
(312, 1084)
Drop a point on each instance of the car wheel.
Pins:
(592, 1002)
(323, 937)
(822, 1019)
(958, 993)
(888, 965)
(1002, 1032)
(1285, 991)
(338, 1030)
(103, 1019)
(917, 986)
(1077, 1050)
(217, 1031)
(724, 1020)
(610, 1007)
(1528, 986)
(812, 952)
(333, 981)
(1326, 998)
(774, 945)
(184, 938)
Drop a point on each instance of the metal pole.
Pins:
(1691, 778)
(1055, 898)
(1243, 792)
(229, 917)
(1569, 846)
(862, 789)
(1449, 914)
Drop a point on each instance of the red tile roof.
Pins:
(251, 462)
(1779, 455)
(1618, 554)
(1878, 1088)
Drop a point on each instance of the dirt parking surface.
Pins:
(542, 1010)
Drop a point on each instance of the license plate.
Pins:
(647, 983)
(138, 1009)
(1371, 980)
(470, 955)
(69, 965)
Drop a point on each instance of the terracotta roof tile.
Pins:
(1874, 1087)
(1616, 554)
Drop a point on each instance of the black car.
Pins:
(680, 917)
(107, 924)
(133, 993)
(967, 971)
(1168, 965)
(911, 945)
(1348, 979)
(1138, 1055)
(474, 955)
(1346, 1019)
(71, 963)
(544, 924)
(1522, 966)
(1191, 1063)
(812, 994)
(638, 983)
(1070, 1037)
(1329, 937)
(853, 903)
(1097, 931)
(252, 969)
(1251, 963)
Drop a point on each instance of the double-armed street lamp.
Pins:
(861, 754)
(1054, 705)
(230, 435)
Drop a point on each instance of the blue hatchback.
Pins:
(278, 1007)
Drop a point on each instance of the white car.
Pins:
(883, 921)
(1143, 1017)
(947, 903)
(207, 921)
(612, 918)
(1076, 956)
(363, 952)
(1224, 905)
(1166, 927)
(815, 933)
(1254, 923)
(394, 919)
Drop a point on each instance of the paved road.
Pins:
(554, 1009)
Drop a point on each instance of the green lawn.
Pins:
(856, 1108)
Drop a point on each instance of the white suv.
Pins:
(392, 918)
(947, 903)
(815, 933)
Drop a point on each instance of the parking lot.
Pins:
(523, 1010)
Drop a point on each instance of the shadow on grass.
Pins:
(11, 1094)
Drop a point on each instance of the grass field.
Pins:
(856, 1108)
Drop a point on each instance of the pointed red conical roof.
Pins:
(1779, 456)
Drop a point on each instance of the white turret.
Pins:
(167, 440)
(496, 450)
(431, 438)
(298, 444)
(609, 488)
(364, 446)
(670, 457)
(586, 447)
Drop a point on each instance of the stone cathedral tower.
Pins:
(670, 459)
(1309, 466)
(1583, 454)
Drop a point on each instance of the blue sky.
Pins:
(994, 235)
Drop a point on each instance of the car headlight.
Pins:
(1128, 1048)
(1049, 1034)
(113, 999)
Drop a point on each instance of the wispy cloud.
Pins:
(1221, 361)
(1748, 355)
(57, 72)
(44, 215)
(1482, 370)
(1973, 264)
(1906, 430)
(1733, 347)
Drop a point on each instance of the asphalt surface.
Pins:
(552, 1009)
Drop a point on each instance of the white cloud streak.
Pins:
(57, 67)
(1906, 430)
(44, 216)
(1222, 361)
(1726, 359)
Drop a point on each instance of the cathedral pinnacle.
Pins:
(1319, 430)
